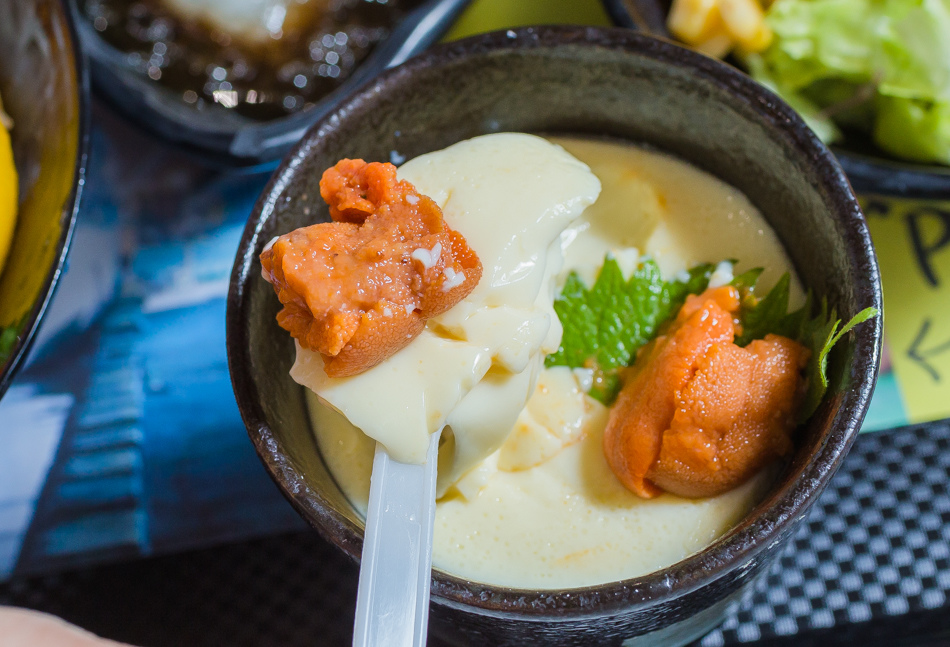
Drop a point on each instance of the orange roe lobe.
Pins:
(361, 288)
(700, 415)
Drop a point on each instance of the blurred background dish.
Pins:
(239, 82)
(872, 171)
(45, 93)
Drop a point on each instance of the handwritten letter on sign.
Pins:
(912, 239)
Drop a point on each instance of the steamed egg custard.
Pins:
(527, 497)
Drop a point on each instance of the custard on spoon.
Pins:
(360, 288)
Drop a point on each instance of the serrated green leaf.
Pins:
(766, 315)
(579, 340)
(611, 303)
(746, 281)
(792, 325)
(605, 325)
(677, 291)
(818, 332)
(820, 335)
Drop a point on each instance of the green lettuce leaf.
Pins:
(914, 129)
(880, 65)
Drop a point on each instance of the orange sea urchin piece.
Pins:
(359, 289)
(701, 415)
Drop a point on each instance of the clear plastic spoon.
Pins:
(392, 603)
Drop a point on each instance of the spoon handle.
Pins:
(392, 602)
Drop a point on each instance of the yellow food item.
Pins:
(8, 194)
(694, 21)
(716, 27)
(743, 20)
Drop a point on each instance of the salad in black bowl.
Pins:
(872, 78)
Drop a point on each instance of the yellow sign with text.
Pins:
(912, 239)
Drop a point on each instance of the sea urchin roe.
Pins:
(359, 289)
(699, 414)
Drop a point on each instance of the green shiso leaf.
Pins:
(766, 315)
(605, 325)
(819, 334)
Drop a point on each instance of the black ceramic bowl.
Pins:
(45, 90)
(220, 136)
(871, 172)
(576, 80)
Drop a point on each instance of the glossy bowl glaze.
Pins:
(46, 92)
(601, 82)
(221, 137)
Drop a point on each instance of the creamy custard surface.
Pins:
(473, 368)
(540, 508)
(673, 212)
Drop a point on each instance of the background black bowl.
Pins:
(46, 91)
(220, 136)
(576, 80)
(871, 172)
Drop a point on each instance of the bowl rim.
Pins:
(734, 550)
(869, 174)
(70, 207)
(240, 141)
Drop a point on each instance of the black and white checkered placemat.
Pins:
(870, 567)
(876, 546)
